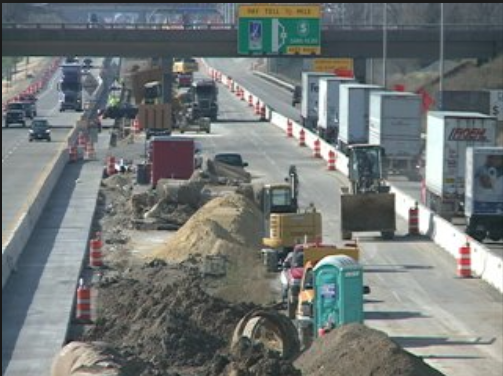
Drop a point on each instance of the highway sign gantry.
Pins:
(279, 30)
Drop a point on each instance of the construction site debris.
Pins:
(355, 349)
(88, 359)
(163, 315)
(274, 330)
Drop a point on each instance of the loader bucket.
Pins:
(368, 212)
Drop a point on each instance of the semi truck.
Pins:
(395, 124)
(203, 100)
(484, 193)
(448, 136)
(328, 107)
(310, 96)
(70, 86)
(354, 114)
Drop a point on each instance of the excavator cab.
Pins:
(282, 198)
(365, 168)
(369, 206)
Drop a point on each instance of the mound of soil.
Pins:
(358, 350)
(226, 225)
(163, 315)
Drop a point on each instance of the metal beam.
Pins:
(148, 42)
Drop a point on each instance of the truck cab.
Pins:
(15, 114)
(204, 95)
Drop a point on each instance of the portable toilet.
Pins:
(338, 286)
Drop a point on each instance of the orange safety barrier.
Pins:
(332, 160)
(73, 153)
(257, 108)
(111, 166)
(464, 262)
(317, 149)
(83, 312)
(263, 113)
(82, 140)
(414, 220)
(95, 252)
(90, 152)
(289, 128)
(302, 138)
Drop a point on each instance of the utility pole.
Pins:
(384, 43)
(441, 63)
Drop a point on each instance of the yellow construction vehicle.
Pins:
(285, 225)
(367, 205)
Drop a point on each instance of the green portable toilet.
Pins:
(338, 286)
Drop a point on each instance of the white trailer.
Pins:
(448, 136)
(354, 105)
(484, 193)
(309, 101)
(328, 107)
(395, 124)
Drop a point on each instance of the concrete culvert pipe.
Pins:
(274, 330)
(87, 359)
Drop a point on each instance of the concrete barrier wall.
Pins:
(485, 264)
(14, 246)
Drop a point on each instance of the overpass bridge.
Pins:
(150, 40)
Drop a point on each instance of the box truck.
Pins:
(309, 100)
(354, 104)
(395, 125)
(484, 193)
(171, 158)
(328, 107)
(448, 136)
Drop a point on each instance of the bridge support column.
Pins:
(167, 79)
(360, 68)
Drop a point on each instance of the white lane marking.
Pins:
(12, 151)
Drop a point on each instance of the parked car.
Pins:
(40, 130)
(231, 159)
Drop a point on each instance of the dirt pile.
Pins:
(247, 359)
(226, 225)
(162, 315)
(358, 350)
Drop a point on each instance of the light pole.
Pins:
(441, 63)
(384, 43)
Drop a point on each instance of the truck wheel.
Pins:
(387, 235)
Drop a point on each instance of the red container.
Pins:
(172, 158)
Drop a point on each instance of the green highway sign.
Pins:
(279, 30)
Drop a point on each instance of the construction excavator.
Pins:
(285, 225)
(367, 205)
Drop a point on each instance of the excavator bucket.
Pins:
(368, 213)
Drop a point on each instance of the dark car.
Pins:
(231, 159)
(40, 130)
(13, 116)
(296, 95)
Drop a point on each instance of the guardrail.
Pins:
(485, 264)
